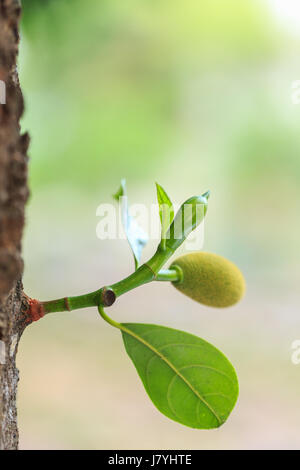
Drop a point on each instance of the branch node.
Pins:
(67, 305)
(32, 310)
(108, 297)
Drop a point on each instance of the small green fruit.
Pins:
(209, 279)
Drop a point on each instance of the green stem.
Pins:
(109, 320)
(141, 276)
(150, 271)
(170, 275)
(146, 273)
(72, 303)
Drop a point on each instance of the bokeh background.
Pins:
(195, 95)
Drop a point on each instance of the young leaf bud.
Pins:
(209, 279)
(189, 216)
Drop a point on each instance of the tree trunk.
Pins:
(13, 196)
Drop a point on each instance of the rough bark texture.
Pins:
(13, 196)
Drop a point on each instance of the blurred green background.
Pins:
(195, 95)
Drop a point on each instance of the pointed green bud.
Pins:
(188, 217)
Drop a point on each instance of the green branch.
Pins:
(108, 294)
(181, 226)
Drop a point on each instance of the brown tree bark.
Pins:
(13, 196)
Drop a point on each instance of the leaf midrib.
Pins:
(166, 360)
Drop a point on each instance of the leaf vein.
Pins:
(177, 372)
(202, 366)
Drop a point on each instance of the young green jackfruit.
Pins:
(209, 279)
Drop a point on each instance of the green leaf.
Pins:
(136, 236)
(166, 212)
(187, 379)
(188, 217)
